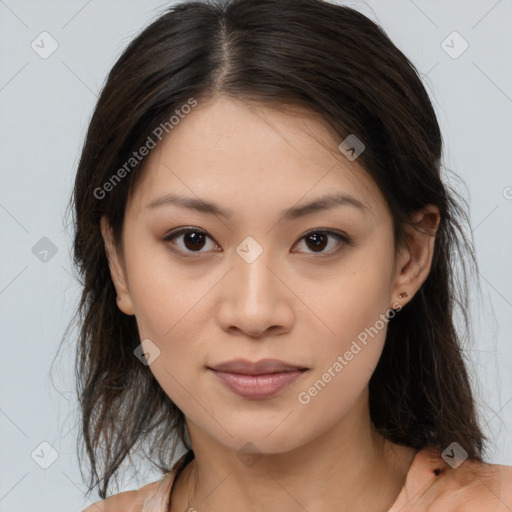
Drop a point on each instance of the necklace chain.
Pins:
(189, 493)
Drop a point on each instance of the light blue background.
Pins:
(45, 105)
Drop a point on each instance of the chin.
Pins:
(258, 437)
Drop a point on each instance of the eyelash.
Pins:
(340, 237)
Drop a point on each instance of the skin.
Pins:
(290, 303)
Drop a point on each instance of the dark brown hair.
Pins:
(340, 65)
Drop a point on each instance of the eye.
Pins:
(317, 240)
(193, 240)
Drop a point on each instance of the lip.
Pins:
(257, 380)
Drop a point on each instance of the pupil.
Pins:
(317, 242)
(191, 240)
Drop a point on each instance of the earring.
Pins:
(403, 295)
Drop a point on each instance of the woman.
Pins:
(269, 257)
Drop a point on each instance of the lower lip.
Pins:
(258, 386)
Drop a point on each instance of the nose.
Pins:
(255, 300)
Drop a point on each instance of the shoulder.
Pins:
(131, 501)
(474, 486)
(152, 497)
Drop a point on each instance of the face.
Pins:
(242, 279)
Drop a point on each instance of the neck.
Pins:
(350, 468)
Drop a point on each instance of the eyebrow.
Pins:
(322, 203)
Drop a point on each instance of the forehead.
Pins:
(245, 153)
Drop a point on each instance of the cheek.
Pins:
(173, 311)
(169, 313)
(354, 306)
(175, 327)
(349, 299)
(164, 293)
(339, 382)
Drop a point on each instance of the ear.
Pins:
(414, 259)
(117, 270)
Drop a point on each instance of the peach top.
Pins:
(431, 485)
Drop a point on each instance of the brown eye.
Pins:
(318, 240)
(194, 241)
(190, 240)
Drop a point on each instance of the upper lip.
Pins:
(261, 367)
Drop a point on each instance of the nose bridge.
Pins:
(255, 299)
(254, 282)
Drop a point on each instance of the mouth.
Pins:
(257, 380)
(262, 367)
